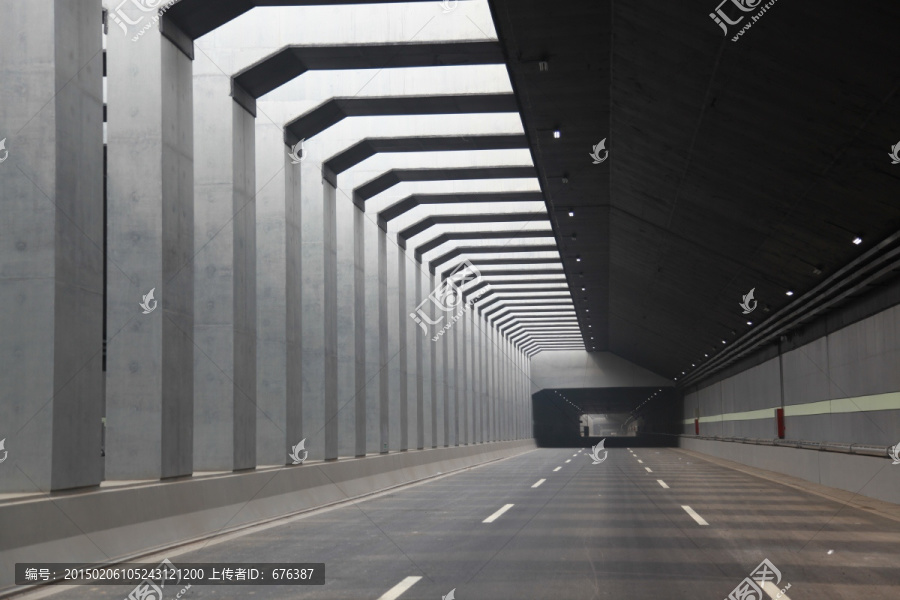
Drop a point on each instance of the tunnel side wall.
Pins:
(117, 524)
(843, 387)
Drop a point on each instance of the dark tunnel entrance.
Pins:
(581, 417)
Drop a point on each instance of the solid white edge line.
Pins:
(662, 483)
(648, 469)
(694, 515)
(540, 481)
(557, 469)
(772, 590)
(497, 514)
(396, 591)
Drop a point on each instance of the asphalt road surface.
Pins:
(647, 523)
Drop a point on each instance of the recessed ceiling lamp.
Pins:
(571, 213)
(724, 342)
(857, 240)
(556, 133)
(789, 293)
(749, 322)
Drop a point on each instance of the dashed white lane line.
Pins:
(574, 455)
(694, 515)
(640, 461)
(568, 461)
(497, 514)
(397, 590)
(648, 469)
(662, 483)
(540, 481)
(772, 590)
(557, 469)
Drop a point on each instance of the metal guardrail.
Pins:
(844, 448)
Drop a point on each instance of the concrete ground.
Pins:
(619, 529)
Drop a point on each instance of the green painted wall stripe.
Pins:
(889, 401)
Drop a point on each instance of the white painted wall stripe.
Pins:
(662, 483)
(497, 514)
(889, 401)
(694, 515)
(539, 482)
(397, 590)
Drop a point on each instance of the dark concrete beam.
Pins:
(477, 235)
(523, 282)
(335, 110)
(391, 178)
(429, 222)
(410, 202)
(368, 147)
(567, 303)
(456, 252)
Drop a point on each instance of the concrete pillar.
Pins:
(362, 412)
(278, 364)
(402, 315)
(444, 342)
(319, 308)
(374, 322)
(434, 358)
(411, 338)
(225, 267)
(346, 329)
(150, 233)
(423, 369)
(383, 345)
(51, 283)
(396, 381)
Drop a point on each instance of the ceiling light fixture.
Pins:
(790, 293)
(556, 133)
(571, 213)
(857, 240)
(749, 322)
(724, 342)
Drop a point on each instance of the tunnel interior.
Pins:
(623, 416)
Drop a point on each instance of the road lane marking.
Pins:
(568, 461)
(648, 469)
(662, 483)
(576, 454)
(772, 590)
(497, 514)
(397, 590)
(640, 461)
(540, 481)
(557, 469)
(693, 514)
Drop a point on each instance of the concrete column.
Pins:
(444, 341)
(395, 402)
(383, 344)
(361, 408)
(423, 369)
(278, 364)
(51, 282)
(402, 314)
(434, 358)
(374, 322)
(150, 233)
(464, 378)
(413, 358)
(225, 266)
(346, 330)
(318, 304)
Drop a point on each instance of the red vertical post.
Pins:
(779, 422)
(696, 426)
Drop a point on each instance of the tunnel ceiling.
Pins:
(732, 165)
